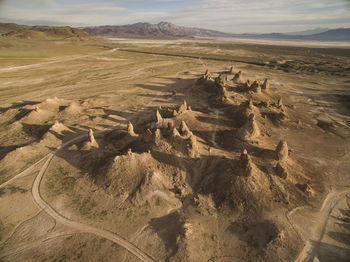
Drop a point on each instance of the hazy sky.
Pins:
(235, 16)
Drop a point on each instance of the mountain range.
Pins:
(169, 30)
(43, 32)
(160, 30)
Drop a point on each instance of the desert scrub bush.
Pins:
(83, 204)
(60, 182)
(15, 189)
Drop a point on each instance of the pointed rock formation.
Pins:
(192, 147)
(183, 108)
(223, 94)
(131, 130)
(159, 117)
(249, 130)
(247, 84)
(175, 133)
(281, 151)
(280, 103)
(207, 75)
(221, 80)
(231, 70)
(92, 142)
(266, 84)
(238, 78)
(256, 87)
(91, 136)
(246, 163)
(281, 170)
(157, 136)
(184, 129)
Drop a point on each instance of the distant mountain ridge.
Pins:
(162, 29)
(43, 32)
(309, 32)
(166, 29)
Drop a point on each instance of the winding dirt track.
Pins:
(76, 225)
(309, 251)
(23, 173)
(67, 222)
(79, 226)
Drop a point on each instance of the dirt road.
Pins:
(308, 253)
(65, 221)
(79, 226)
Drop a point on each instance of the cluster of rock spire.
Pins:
(182, 138)
(221, 81)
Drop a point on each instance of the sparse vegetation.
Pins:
(61, 182)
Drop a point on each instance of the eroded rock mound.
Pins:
(281, 152)
(184, 129)
(246, 163)
(266, 84)
(256, 87)
(281, 170)
(221, 80)
(205, 78)
(159, 117)
(250, 130)
(238, 78)
(183, 108)
(91, 143)
(131, 130)
(122, 175)
(207, 75)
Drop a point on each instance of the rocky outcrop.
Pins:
(159, 118)
(205, 78)
(281, 170)
(247, 84)
(91, 143)
(256, 87)
(192, 146)
(281, 152)
(249, 130)
(238, 78)
(182, 109)
(175, 133)
(185, 131)
(266, 84)
(246, 163)
(91, 136)
(280, 103)
(131, 130)
(207, 75)
(221, 80)
(157, 136)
